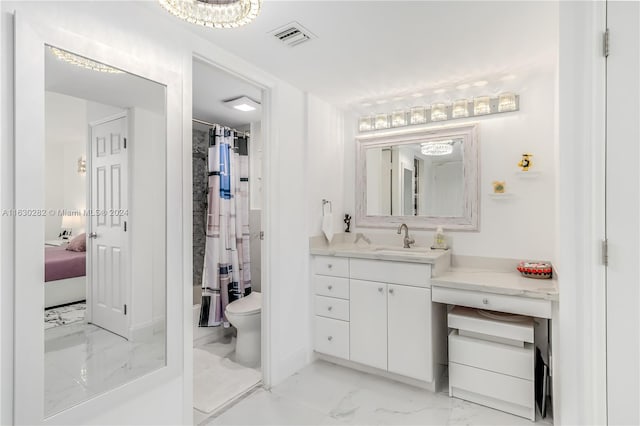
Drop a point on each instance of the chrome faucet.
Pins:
(407, 240)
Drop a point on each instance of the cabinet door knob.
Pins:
(380, 289)
(329, 308)
(329, 287)
(330, 338)
(390, 291)
(485, 301)
(329, 266)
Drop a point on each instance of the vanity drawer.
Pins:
(496, 329)
(331, 286)
(492, 356)
(494, 302)
(331, 337)
(329, 265)
(413, 274)
(331, 307)
(495, 390)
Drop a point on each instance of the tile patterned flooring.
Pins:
(327, 394)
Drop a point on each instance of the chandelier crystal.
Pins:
(214, 13)
(82, 61)
(437, 148)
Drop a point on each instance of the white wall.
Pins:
(530, 214)
(147, 220)
(325, 163)
(65, 142)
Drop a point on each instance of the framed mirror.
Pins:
(422, 177)
(94, 129)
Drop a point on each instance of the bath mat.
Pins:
(218, 381)
(64, 315)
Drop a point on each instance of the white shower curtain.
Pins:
(226, 275)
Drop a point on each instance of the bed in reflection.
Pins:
(64, 275)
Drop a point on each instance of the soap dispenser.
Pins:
(439, 243)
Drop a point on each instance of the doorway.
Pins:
(227, 245)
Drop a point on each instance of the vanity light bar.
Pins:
(439, 112)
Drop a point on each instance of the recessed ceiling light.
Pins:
(438, 91)
(463, 86)
(243, 103)
(417, 95)
(481, 83)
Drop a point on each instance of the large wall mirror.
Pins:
(104, 278)
(424, 177)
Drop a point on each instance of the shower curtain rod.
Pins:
(195, 120)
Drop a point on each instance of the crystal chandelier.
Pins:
(437, 148)
(82, 61)
(214, 13)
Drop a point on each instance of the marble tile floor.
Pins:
(82, 360)
(327, 394)
(218, 380)
(64, 315)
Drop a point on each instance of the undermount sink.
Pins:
(418, 251)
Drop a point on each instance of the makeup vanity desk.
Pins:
(485, 369)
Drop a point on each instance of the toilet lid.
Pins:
(247, 305)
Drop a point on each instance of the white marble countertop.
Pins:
(497, 281)
(381, 252)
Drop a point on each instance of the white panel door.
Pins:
(409, 331)
(623, 213)
(107, 237)
(368, 323)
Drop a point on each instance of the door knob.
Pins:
(93, 235)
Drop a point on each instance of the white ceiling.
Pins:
(377, 50)
(121, 90)
(212, 86)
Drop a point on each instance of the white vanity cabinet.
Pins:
(392, 324)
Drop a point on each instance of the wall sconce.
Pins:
(82, 166)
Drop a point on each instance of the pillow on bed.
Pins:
(78, 243)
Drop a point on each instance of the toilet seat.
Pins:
(248, 305)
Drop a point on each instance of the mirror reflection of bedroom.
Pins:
(104, 272)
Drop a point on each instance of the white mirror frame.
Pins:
(467, 222)
(30, 41)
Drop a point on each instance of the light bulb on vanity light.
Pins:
(481, 105)
(460, 108)
(365, 124)
(399, 118)
(382, 121)
(418, 115)
(438, 112)
(507, 102)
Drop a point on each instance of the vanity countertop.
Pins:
(510, 283)
(377, 252)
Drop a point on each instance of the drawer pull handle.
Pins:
(380, 289)
(329, 308)
(330, 338)
(390, 291)
(329, 266)
(485, 301)
(329, 287)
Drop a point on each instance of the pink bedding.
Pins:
(60, 264)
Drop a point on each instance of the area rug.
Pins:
(218, 381)
(64, 315)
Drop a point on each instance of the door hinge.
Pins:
(125, 309)
(261, 235)
(605, 252)
(605, 43)
(125, 143)
(125, 226)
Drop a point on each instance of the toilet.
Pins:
(244, 315)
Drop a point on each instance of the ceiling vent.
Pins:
(292, 34)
